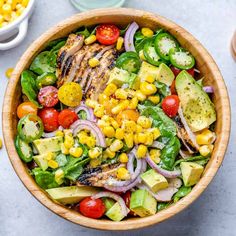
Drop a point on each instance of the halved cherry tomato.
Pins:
(126, 196)
(170, 105)
(48, 96)
(49, 116)
(26, 108)
(172, 88)
(107, 34)
(127, 115)
(92, 208)
(176, 71)
(67, 117)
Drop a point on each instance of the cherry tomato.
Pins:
(49, 116)
(127, 115)
(92, 208)
(126, 196)
(172, 88)
(170, 105)
(107, 34)
(176, 71)
(26, 108)
(48, 96)
(66, 118)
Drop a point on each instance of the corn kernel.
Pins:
(6, 9)
(123, 174)
(149, 139)
(109, 131)
(13, 4)
(205, 150)
(129, 139)
(103, 98)
(133, 103)
(206, 137)
(150, 78)
(129, 126)
(120, 107)
(25, 3)
(76, 151)
(0, 143)
(95, 162)
(99, 110)
(123, 158)
(144, 122)
(7, 17)
(141, 97)
(110, 89)
(59, 133)
(114, 123)
(154, 99)
(147, 32)
(93, 62)
(147, 88)
(50, 156)
(53, 164)
(120, 133)
(119, 43)
(95, 152)
(116, 145)
(20, 11)
(59, 175)
(136, 139)
(156, 133)
(91, 39)
(108, 141)
(102, 124)
(142, 151)
(69, 141)
(139, 128)
(18, 6)
(90, 142)
(142, 138)
(1, 3)
(67, 132)
(109, 153)
(1, 21)
(8, 72)
(121, 94)
(64, 150)
(141, 55)
(155, 155)
(91, 103)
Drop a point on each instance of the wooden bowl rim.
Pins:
(135, 223)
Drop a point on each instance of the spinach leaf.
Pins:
(163, 89)
(123, 31)
(182, 192)
(203, 162)
(61, 160)
(54, 44)
(44, 179)
(83, 31)
(194, 159)
(169, 153)
(160, 119)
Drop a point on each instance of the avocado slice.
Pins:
(71, 194)
(191, 172)
(48, 144)
(154, 180)
(165, 74)
(143, 203)
(146, 70)
(115, 212)
(41, 161)
(198, 109)
(119, 77)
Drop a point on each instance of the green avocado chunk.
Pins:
(154, 180)
(41, 161)
(165, 74)
(143, 203)
(115, 212)
(147, 70)
(191, 172)
(48, 144)
(71, 194)
(198, 109)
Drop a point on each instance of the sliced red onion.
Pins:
(99, 55)
(130, 164)
(129, 37)
(158, 145)
(114, 196)
(92, 127)
(208, 89)
(87, 110)
(168, 174)
(183, 154)
(191, 135)
(176, 183)
(197, 71)
(49, 135)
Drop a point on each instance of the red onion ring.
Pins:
(129, 37)
(92, 127)
(208, 89)
(168, 174)
(114, 196)
(158, 145)
(52, 134)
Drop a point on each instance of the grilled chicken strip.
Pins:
(98, 176)
(66, 54)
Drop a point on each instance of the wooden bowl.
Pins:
(122, 16)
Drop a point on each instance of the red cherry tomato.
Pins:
(126, 196)
(107, 34)
(92, 208)
(66, 118)
(48, 96)
(170, 105)
(49, 116)
(172, 88)
(176, 71)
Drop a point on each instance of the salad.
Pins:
(115, 122)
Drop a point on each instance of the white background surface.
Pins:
(214, 213)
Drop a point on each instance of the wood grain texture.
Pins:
(122, 17)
